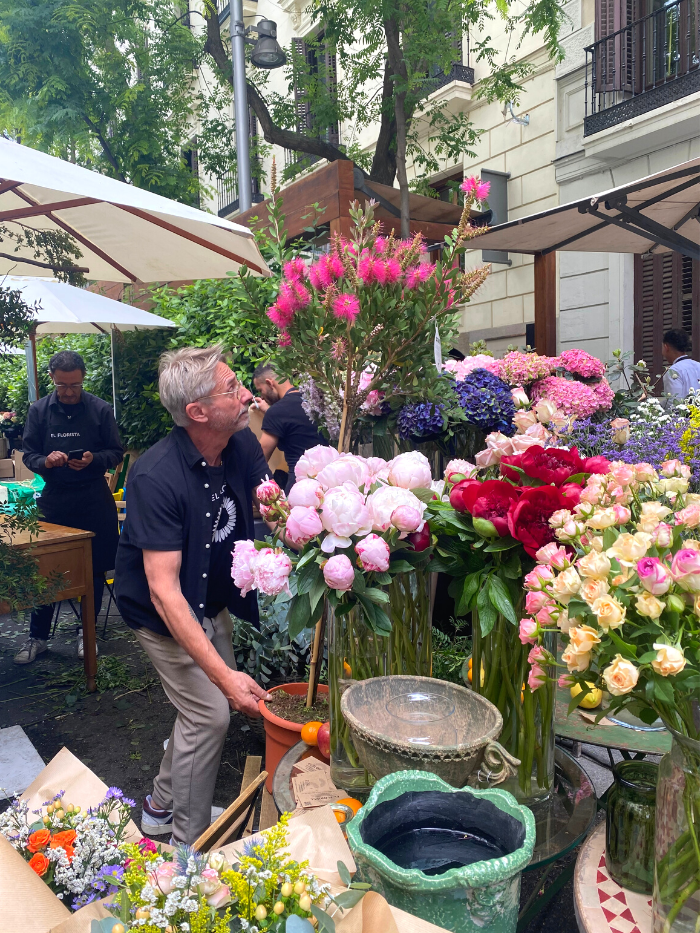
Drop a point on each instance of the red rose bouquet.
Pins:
(490, 524)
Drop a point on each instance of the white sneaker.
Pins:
(155, 822)
(81, 648)
(30, 649)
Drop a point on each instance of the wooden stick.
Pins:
(316, 655)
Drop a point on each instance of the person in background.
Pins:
(285, 423)
(190, 499)
(70, 440)
(683, 374)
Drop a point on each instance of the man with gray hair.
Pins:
(189, 500)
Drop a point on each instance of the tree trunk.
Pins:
(398, 68)
(383, 169)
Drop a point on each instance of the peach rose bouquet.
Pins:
(622, 586)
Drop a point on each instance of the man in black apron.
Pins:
(71, 439)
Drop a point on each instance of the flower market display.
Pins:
(186, 890)
(78, 853)
(351, 537)
(359, 324)
(622, 585)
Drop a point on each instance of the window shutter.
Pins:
(330, 66)
(301, 95)
(614, 58)
(667, 294)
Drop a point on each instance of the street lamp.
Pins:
(266, 54)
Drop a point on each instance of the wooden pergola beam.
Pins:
(546, 303)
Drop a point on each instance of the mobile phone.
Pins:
(75, 454)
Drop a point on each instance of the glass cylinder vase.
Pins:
(630, 818)
(676, 899)
(528, 715)
(355, 652)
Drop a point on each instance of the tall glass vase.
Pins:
(676, 900)
(355, 652)
(528, 715)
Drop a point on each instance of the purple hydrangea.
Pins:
(420, 419)
(486, 402)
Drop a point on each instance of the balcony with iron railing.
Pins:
(645, 65)
(227, 193)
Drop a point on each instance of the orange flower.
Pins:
(39, 863)
(63, 839)
(39, 840)
(70, 852)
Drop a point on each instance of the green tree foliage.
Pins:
(105, 83)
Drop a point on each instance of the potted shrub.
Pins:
(282, 732)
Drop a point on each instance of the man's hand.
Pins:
(261, 404)
(81, 464)
(55, 459)
(243, 693)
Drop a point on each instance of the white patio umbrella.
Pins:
(125, 234)
(65, 309)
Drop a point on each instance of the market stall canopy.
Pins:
(65, 309)
(660, 212)
(125, 234)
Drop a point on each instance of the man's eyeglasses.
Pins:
(62, 385)
(236, 393)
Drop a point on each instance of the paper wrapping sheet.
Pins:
(27, 905)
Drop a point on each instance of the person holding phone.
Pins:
(70, 439)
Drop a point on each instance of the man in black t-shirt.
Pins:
(285, 423)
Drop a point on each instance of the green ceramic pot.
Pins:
(483, 897)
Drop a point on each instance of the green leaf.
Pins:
(317, 591)
(377, 596)
(664, 690)
(425, 495)
(359, 584)
(503, 544)
(647, 657)
(609, 537)
(471, 585)
(325, 922)
(344, 873)
(297, 924)
(577, 607)
(306, 578)
(348, 899)
(305, 558)
(487, 614)
(300, 616)
(512, 567)
(400, 566)
(383, 578)
(500, 599)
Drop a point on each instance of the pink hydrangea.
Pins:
(519, 368)
(462, 368)
(575, 399)
(582, 364)
(346, 307)
(604, 394)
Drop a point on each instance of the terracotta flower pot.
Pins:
(281, 734)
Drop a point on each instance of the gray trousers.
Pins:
(187, 776)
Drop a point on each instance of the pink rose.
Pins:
(338, 572)
(147, 846)
(406, 518)
(457, 470)
(210, 882)
(499, 442)
(220, 898)
(162, 877)
(671, 468)
(566, 681)
(272, 571)
(373, 553)
(344, 514)
(524, 420)
(347, 468)
(548, 614)
(410, 471)
(623, 473)
(536, 678)
(554, 555)
(645, 473)
(521, 442)
(245, 556)
(313, 460)
(537, 655)
(487, 458)
(303, 524)
(621, 430)
(537, 578)
(268, 492)
(622, 514)
(519, 396)
(654, 576)
(662, 535)
(685, 570)
(528, 631)
(307, 492)
(383, 502)
(536, 601)
(689, 516)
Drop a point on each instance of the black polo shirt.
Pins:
(169, 508)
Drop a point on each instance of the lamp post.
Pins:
(266, 54)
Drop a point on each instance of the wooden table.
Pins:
(68, 551)
(576, 728)
(601, 905)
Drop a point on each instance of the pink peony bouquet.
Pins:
(621, 583)
(348, 524)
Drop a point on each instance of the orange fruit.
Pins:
(354, 805)
(347, 670)
(309, 732)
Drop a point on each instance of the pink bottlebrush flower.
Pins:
(287, 300)
(279, 318)
(481, 192)
(284, 340)
(325, 272)
(426, 270)
(412, 279)
(301, 294)
(367, 269)
(295, 269)
(380, 244)
(469, 184)
(346, 307)
(393, 271)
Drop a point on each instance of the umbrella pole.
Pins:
(34, 374)
(114, 378)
